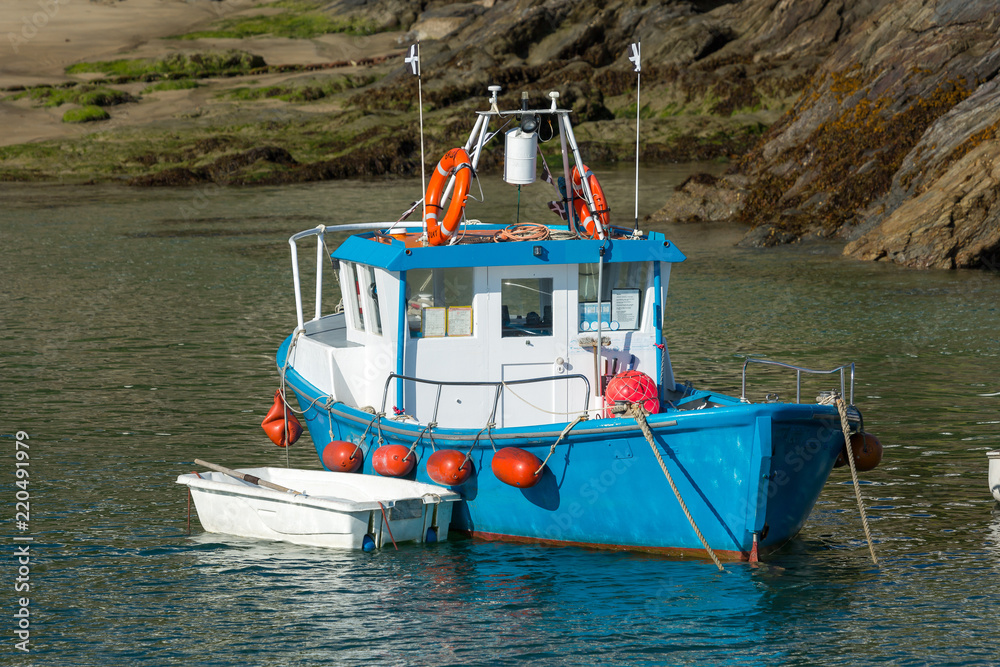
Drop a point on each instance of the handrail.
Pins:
(317, 231)
(320, 231)
(497, 386)
(799, 370)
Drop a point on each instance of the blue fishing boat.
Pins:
(527, 368)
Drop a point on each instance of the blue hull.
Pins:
(742, 469)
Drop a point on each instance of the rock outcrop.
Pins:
(892, 145)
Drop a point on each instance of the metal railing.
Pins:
(497, 389)
(321, 258)
(799, 370)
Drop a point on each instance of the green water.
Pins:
(138, 333)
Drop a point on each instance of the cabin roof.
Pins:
(398, 255)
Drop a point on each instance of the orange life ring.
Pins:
(583, 212)
(457, 162)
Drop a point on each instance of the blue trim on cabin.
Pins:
(401, 337)
(395, 256)
(658, 329)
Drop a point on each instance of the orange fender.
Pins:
(393, 461)
(449, 467)
(274, 423)
(516, 467)
(867, 452)
(340, 456)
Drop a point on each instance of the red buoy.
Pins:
(393, 460)
(517, 467)
(634, 387)
(274, 423)
(867, 452)
(449, 467)
(340, 456)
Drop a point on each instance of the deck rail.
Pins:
(799, 370)
(321, 256)
(498, 388)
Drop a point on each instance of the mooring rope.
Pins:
(413, 447)
(377, 418)
(565, 432)
(846, 427)
(639, 413)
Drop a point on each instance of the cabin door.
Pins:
(528, 339)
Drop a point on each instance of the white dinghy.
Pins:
(319, 508)
(994, 474)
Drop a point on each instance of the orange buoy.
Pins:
(393, 461)
(449, 467)
(517, 467)
(340, 456)
(274, 423)
(867, 452)
(634, 387)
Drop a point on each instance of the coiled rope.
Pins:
(846, 428)
(639, 414)
(523, 232)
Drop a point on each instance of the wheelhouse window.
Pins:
(526, 307)
(439, 302)
(371, 298)
(361, 298)
(352, 297)
(623, 288)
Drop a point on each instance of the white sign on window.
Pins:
(625, 308)
(460, 321)
(435, 322)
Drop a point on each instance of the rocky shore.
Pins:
(870, 121)
(892, 144)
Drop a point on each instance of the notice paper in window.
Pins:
(434, 324)
(460, 321)
(588, 315)
(625, 308)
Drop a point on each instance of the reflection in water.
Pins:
(993, 537)
(138, 336)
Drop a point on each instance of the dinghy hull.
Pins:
(994, 474)
(337, 510)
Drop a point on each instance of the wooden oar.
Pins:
(247, 478)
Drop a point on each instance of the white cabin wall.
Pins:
(356, 374)
(453, 359)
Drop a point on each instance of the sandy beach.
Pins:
(41, 38)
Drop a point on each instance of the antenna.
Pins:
(636, 50)
(413, 60)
